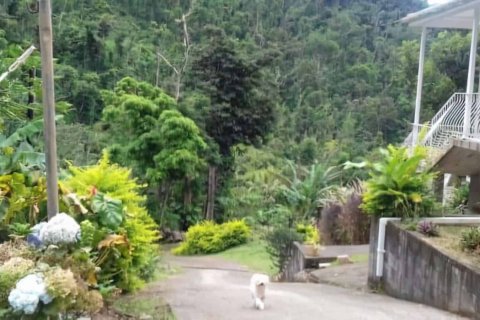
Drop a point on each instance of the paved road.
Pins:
(211, 289)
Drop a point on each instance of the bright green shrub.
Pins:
(209, 237)
(309, 233)
(109, 192)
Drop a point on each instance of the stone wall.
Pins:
(415, 271)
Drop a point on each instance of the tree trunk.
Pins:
(187, 193)
(212, 188)
(31, 94)
(162, 198)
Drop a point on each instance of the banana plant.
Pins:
(22, 180)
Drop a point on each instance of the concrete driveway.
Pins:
(208, 288)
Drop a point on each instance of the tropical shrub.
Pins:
(470, 239)
(209, 237)
(428, 228)
(114, 222)
(305, 190)
(397, 187)
(22, 183)
(279, 245)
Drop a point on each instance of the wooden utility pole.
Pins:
(46, 49)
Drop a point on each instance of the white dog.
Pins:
(258, 284)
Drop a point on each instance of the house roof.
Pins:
(454, 14)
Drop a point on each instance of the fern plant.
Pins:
(397, 187)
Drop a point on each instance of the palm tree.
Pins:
(307, 189)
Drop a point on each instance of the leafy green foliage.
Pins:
(397, 187)
(180, 143)
(157, 141)
(131, 118)
(120, 231)
(470, 239)
(239, 112)
(306, 189)
(19, 229)
(109, 211)
(280, 244)
(254, 186)
(22, 184)
(460, 197)
(310, 234)
(209, 237)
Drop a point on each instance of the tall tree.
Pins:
(239, 111)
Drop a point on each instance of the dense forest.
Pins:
(228, 108)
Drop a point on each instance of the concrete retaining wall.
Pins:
(300, 259)
(415, 271)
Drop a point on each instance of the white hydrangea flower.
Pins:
(28, 292)
(61, 229)
(35, 230)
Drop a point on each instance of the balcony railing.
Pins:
(459, 118)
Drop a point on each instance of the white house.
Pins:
(453, 134)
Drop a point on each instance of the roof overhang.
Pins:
(455, 14)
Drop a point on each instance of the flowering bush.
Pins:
(61, 283)
(54, 276)
(10, 272)
(61, 229)
(103, 244)
(28, 292)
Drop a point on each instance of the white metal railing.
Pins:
(20, 60)
(449, 122)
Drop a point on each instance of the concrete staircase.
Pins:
(453, 141)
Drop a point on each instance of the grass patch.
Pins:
(140, 307)
(253, 255)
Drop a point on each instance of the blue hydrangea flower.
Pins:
(34, 241)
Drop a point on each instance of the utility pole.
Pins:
(46, 49)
